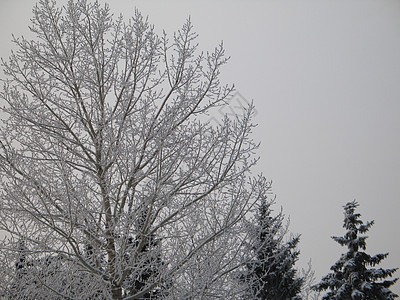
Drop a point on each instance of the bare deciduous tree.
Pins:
(106, 148)
(307, 292)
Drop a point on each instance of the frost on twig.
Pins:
(113, 184)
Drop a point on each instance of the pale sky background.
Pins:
(325, 79)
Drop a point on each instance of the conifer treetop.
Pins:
(354, 275)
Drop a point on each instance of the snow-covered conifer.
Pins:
(354, 275)
(271, 274)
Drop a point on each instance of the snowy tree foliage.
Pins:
(113, 183)
(271, 273)
(353, 277)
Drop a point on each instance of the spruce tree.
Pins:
(150, 262)
(144, 261)
(271, 273)
(352, 277)
(21, 280)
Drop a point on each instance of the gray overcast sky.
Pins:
(325, 79)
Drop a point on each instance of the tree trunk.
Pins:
(116, 292)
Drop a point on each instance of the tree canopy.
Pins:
(108, 162)
(270, 274)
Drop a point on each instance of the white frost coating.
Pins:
(113, 184)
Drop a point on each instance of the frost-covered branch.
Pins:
(111, 177)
